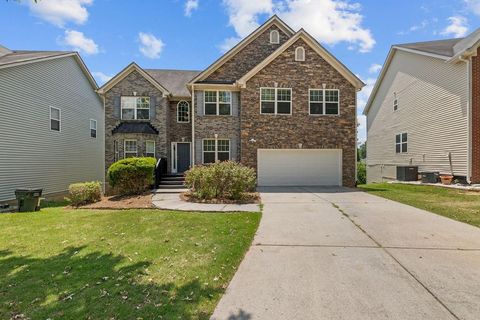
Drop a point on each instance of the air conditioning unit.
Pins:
(407, 173)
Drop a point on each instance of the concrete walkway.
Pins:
(324, 253)
(172, 201)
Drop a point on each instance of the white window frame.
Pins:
(59, 119)
(401, 143)
(188, 111)
(272, 39)
(324, 103)
(129, 152)
(217, 113)
(276, 101)
(146, 150)
(95, 128)
(135, 117)
(216, 148)
(297, 54)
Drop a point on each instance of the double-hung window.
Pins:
(54, 119)
(275, 101)
(93, 128)
(150, 148)
(216, 150)
(401, 143)
(324, 101)
(135, 108)
(130, 148)
(218, 103)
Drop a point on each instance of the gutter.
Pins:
(469, 117)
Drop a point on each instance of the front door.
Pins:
(183, 157)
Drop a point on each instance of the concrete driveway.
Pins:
(337, 253)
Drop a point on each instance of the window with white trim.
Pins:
(135, 108)
(217, 103)
(395, 104)
(299, 54)
(54, 119)
(275, 101)
(274, 37)
(150, 148)
(401, 143)
(324, 101)
(183, 112)
(216, 150)
(129, 148)
(93, 128)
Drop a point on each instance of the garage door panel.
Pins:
(299, 167)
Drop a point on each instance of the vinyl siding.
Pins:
(31, 155)
(432, 108)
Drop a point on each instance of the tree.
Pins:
(362, 151)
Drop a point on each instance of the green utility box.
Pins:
(28, 199)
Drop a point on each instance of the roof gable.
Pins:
(319, 49)
(274, 20)
(125, 72)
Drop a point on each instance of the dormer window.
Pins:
(300, 54)
(274, 37)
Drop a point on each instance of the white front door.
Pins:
(299, 167)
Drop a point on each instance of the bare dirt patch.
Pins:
(253, 197)
(143, 201)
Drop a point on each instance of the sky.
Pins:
(191, 34)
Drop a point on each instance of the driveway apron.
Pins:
(338, 253)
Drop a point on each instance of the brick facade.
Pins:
(476, 118)
(287, 131)
(177, 132)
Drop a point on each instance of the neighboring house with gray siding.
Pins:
(52, 128)
(278, 102)
(425, 110)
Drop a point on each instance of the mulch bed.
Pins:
(253, 197)
(143, 201)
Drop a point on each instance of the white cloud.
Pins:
(375, 68)
(150, 46)
(457, 27)
(190, 6)
(59, 12)
(329, 21)
(101, 77)
(473, 5)
(362, 129)
(228, 44)
(363, 95)
(79, 42)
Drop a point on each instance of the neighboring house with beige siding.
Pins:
(52, 122)
(422, 111)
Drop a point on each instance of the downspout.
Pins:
(103, 147)
(469, 118)
(193, 125)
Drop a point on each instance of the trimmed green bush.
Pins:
(222, 180)
(361, 173)
(84, 193)
(132, 175)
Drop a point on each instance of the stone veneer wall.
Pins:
(135, 82)
(476, 118)
(248, 57)
(287, 131)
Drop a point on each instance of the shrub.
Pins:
(361, 173)
(132, 175)
(84, 193)
(222, 180)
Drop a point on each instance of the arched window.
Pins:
(274, 37)
(300, 54)
(183, 112)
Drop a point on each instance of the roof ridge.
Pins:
(157, 69)
(428, 41)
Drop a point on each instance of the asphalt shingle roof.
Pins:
(440, 47)
(135, 127)
(16, 56)
(175, 81)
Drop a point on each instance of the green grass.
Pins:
(456, 204)
(127, 264)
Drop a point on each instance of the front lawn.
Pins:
(456, 204)
(130, 264)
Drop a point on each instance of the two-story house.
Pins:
(278, 102)
(424, 110)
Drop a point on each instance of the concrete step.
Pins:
(172, 183)
(171, 186)
(173, 178)
(170, 190)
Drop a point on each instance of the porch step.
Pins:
(173, 178)
(172, 182)
(171, 186)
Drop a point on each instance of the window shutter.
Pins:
(116, 107)
(199, 102)
(235, 103)
(234, 149)
(198, 151)
(153, 107)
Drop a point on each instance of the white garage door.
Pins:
(299, 167)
